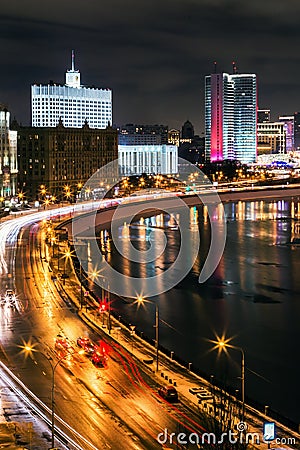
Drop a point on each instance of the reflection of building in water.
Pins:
(297, 230)
(295, 224)
(8, 155)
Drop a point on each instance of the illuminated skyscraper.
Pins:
(72, 102)
(289, 131)
(230, 117)
(297, 131)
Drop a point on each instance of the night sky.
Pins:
(154, 54)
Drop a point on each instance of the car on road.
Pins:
(99, 360)
(90, 349)
(169, 393)
(83, 341)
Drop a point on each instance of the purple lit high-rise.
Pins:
(230, 117)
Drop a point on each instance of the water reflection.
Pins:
(253, 295)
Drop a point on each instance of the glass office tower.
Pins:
(230, 117)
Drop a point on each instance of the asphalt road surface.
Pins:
(113, 407)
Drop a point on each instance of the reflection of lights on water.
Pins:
(125, 231)
(194, 217)
(205, 214)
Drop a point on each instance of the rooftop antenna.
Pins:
(73, 59)
(215, 67)
(234, 70)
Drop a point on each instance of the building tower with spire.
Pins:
(72, 103)
(231, 116)
(73, 76)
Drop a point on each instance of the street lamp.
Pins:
(21, 196)
(95, 274)
(141, 301)
(66, 256)
(28, 349)
(53, 242)
(222, 345)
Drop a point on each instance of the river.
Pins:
(253, 297)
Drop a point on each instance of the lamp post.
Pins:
(108, 303)
(223, 345)
(67, 255)
(29, 350)
(95, 274)
(81, 289)
(141, 301)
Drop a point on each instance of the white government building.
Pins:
(149, 159)
(72, 102)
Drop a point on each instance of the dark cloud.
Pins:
(154, 55)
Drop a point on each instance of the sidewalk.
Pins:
(170, 372)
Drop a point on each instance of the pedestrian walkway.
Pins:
(19, 428)
(170, 372)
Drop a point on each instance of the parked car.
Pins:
(169, 393)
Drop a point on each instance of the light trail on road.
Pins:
(88, 397)
(41, 409)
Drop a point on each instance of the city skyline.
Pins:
(72, 103)
(154, 57)
(230, 117)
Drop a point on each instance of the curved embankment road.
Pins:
(114, 407)
(152, 205)
(274, 193)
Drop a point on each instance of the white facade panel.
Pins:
(149, 159)
(72, 105)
